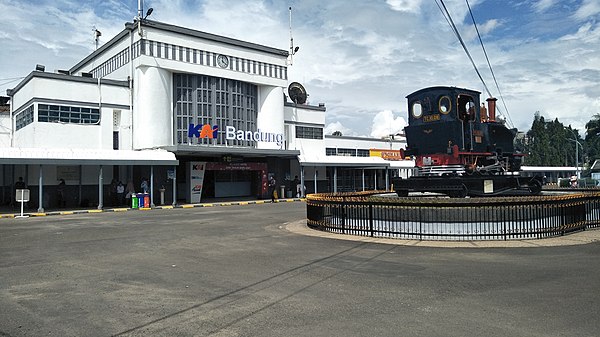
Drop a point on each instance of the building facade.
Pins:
(200, 115)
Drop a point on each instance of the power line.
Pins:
(452, 25)
(10, 80)
(489, 64)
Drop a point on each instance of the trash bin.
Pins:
(140, 198)
(146, 199)
(134, 201)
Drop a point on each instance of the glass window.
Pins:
(309, 132)
(417, 109)
(214, 101)
(362, 153)
(445, 105)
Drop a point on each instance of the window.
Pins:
(24, 118)
(363, 153)
(309, 132)
(67, 114)
(417, 109)
(205, 100)
(444, 105)
(347, 152)
(330, 151)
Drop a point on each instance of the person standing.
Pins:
(144, 185)
(130, 192)
(272, 187)
(61, 193)
(120, 193)
(296, 185)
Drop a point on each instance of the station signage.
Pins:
(387, 154)
(231, 133)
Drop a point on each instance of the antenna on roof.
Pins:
(292, 49)
(97, 35)
(140, 16)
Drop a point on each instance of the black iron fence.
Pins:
(420, 218)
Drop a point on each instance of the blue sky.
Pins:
(360, 58)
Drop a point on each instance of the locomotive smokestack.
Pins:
(492, 108)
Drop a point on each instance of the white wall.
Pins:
(152, 110)
(71, 93)
(270, 114)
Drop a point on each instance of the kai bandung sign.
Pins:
(231, 133)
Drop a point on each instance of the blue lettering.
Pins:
(194, 130)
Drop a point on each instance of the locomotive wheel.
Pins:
(460, 193)
(463, 192)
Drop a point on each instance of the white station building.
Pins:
(200, 116)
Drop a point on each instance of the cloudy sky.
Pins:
(360, 58)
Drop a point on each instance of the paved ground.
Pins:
(250, 270)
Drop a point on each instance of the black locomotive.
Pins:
(460, 148)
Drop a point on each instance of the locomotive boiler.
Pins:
(460, 148)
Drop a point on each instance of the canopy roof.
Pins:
(42, 156)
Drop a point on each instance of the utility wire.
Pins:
(10, 80)
(489, 64)
(448, 18)
(462, 42)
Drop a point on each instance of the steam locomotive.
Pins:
(460, 148)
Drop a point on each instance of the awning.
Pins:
(43, 156)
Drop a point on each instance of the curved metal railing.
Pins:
(497, 218)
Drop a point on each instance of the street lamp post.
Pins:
(577, 145)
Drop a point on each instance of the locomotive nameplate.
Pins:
(488, 186)
(431, 118)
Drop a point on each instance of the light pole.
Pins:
(577, 144)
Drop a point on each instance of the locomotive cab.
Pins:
(449, 126)
(459, 147)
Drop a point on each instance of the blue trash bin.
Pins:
(140, 197)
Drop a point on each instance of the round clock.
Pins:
(222, 61)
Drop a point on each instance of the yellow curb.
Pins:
(187, 206)
(66, 213)
(120, 209)
(95, 211)
(145, 208)
(207, 205)
(38, 214)
(244, 203)
(225, 204)
(166, 207)
(7, 216)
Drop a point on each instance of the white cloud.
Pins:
(404, 5)
(360, 59)
(587, 10)
(384, 124)
(542, 5)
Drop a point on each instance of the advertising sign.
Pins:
(197, 169)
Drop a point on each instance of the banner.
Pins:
(197, 169)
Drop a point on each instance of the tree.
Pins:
(592, 139)
(547, 143)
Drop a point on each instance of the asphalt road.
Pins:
(237, 271)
